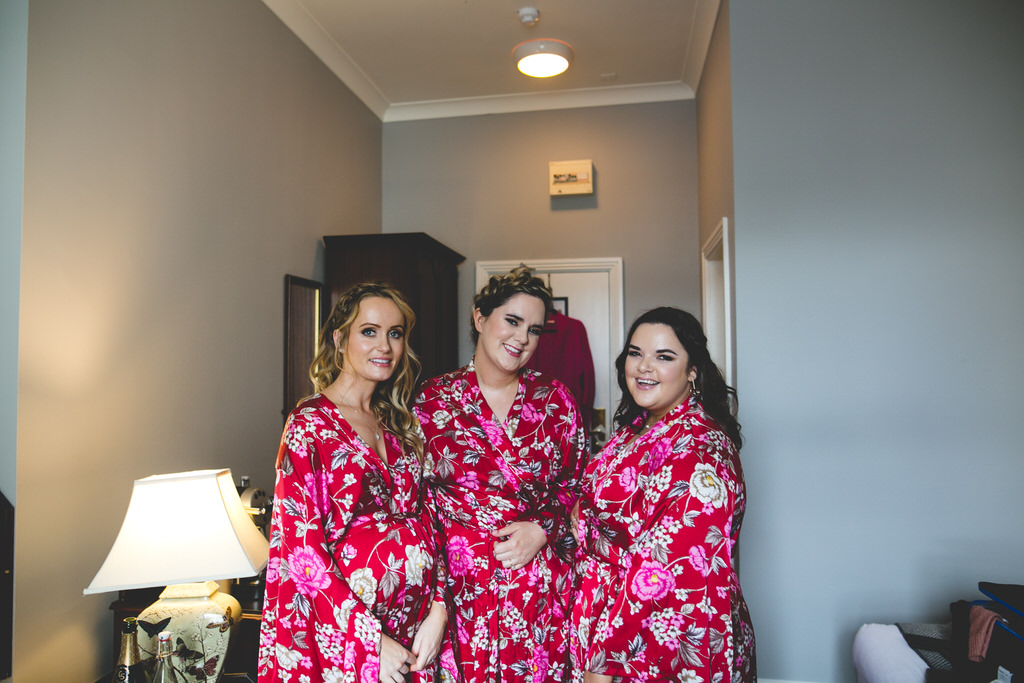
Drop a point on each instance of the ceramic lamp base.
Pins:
(200, 617)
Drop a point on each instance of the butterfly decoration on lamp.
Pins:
(213, 538)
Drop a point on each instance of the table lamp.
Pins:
(185, 531)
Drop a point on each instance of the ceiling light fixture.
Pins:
(543, 57)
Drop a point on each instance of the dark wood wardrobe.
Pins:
(423, 269)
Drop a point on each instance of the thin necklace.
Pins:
(376, 430)
(376, 427)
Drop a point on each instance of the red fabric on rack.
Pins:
(564, 353)
(982, 622)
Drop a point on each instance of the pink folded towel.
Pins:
(982, 621)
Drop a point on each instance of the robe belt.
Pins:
(373, 510)
(454, 508)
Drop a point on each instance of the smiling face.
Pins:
(657, 369)
(375, 340)
(510, 334)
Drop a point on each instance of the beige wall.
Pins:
(714, 130)
(181, 158)
(480, 186)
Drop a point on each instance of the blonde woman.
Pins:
(355, 589)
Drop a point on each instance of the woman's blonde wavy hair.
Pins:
(391, 399)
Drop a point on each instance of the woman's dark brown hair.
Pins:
(714, 395)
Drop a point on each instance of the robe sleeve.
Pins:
(428, 509)
(671, 610)
(599, 537)
(317, 622)
(564, 488)
(595, 539)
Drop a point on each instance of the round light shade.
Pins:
(542, 57)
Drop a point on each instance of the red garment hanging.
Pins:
(564, 353)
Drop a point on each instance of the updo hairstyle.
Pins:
(500, 288)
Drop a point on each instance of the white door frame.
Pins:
(717, 297)
(611, 266)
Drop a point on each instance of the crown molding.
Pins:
(559, 99)
(705, 14)
(298, 19)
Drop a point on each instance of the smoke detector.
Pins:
(529, 16)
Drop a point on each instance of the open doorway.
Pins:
(716, 269)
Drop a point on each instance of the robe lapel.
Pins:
(360, 446)
(501, 435)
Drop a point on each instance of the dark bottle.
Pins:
(128, 668)
(164, 671)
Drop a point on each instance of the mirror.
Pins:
(301, 327)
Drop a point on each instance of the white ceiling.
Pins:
(419, 59)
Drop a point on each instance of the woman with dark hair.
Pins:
(658, 518)
(508, 448)
(355, 589)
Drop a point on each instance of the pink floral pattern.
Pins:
(460, 555)
(659, 598)
(699, 560)
(652, 581)
(353, 554)
(371, 670)
(512, 624)
(308, 570)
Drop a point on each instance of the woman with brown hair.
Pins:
(508, 448)
(658, 519)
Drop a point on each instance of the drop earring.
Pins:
(339, 355)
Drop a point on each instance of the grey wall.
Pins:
(879, 161)
(13, 57)
(181, 158)
(479, 185)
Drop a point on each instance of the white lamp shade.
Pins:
(182, 528)
(543, 57)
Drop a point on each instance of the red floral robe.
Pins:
(353, 554)
(512, 625)
(659, 598)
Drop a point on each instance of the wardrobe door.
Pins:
(423, 269)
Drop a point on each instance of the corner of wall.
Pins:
(14, 61)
